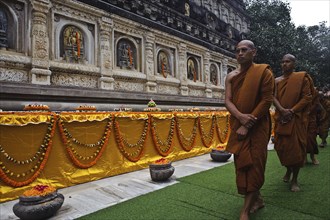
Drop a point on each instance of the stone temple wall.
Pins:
(64, 53)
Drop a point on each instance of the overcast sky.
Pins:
(310, 12)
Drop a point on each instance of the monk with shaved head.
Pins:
(248, 96)
(292, 99)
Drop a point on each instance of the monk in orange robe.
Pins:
(324, 119)
(248, 96)
(312, 147)
(292, 101)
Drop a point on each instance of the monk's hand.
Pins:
(242, 132)
(248, 120)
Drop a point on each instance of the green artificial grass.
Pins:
(212, 195)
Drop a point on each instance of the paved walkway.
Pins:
(89, 197)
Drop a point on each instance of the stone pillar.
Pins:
(106, 80)
(182, 50)
(224, 71)
(208, 87)
(40, 73)
(151, 85)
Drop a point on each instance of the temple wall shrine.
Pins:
(56, 51)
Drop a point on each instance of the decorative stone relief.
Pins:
(73, 41)
(105, 41)
(12, 75)
(129, 86)
(195, 92)
(167, 89)
(149, 50)
(64, 79)
(163, 64)
(40, 43)
(214, 74)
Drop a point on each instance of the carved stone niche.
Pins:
(127, 52)
(193, 68)
(13, 30)
(165, 64)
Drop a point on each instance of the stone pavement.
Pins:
(89, 197)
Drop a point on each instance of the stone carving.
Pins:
(167, 89)
(129, 86)
(163, 64)
(13, 75)
(126, 54)
(213, 75)
(65, 79)
(73, 45)
(192, 69)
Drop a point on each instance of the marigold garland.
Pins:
(159, 144)
(39, 190)
(122, 142)
(221, 133)
(210, 135)
(45, 148)
(191, 140)
(74, 156)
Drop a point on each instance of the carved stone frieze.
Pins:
(78, 80)
(167, 89)
(128, 86)
(13, 75)
(195, 92)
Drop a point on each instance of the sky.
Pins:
(310, 12)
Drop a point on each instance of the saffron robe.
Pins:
(312, 128)
(252, 93)
(293, 93)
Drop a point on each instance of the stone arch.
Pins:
(8, 28)
(87, 41)
(126, 54)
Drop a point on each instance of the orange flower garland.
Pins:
(161, 161)
(122, 143)
(221, 133)
(65, 135)
(168, 144)
(210, 135)
(43, 153)
(39, 190)
(182, 139)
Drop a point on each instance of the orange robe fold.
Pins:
(293, 93)
(252, 93)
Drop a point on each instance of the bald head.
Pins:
(290, 57)
(247, 43)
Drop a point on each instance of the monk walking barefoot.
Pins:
(248, 96)
(293, 95)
